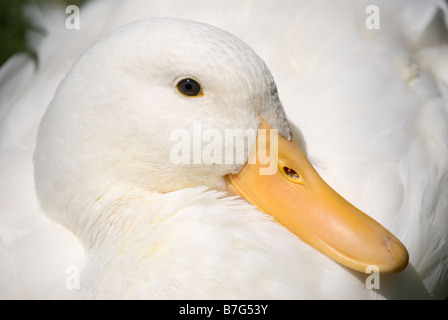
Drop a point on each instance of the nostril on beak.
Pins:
(291, 173)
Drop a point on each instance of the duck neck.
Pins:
(112, 215)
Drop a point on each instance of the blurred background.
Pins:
(14, 25)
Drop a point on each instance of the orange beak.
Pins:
(290, 189)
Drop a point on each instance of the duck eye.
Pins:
(189, 87)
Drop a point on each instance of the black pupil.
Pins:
(189, 87)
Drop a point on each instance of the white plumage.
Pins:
(370, 107)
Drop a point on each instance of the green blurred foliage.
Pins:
(12, 29)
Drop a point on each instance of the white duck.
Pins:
(109, 195)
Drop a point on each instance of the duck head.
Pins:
(152, 106)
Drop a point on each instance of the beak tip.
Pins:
(396, 259)
(400, 254)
